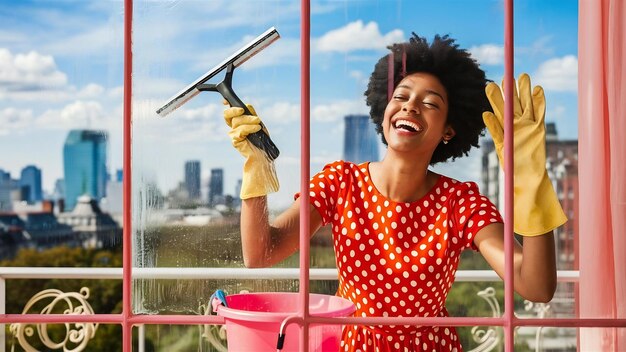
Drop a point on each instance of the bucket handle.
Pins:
(217, 299)
(283, 328)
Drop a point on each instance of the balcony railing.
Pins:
(8, 273)
(218, 273)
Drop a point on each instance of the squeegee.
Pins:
(260, 139)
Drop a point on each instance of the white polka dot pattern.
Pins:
(398, 259)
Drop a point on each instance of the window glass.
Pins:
(348, 39)
(61, 126)
(61, 74)
(186, 173)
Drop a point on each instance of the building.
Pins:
(32, 229)
(491, 176)
(360, 141)
(91, 228)
(562, 157)
(85, 165)
(9, 191)
(192, 179)
(59, 189)
(30, 184)
(86, 226)
(216, 187)
(237, 200)
(113, 202)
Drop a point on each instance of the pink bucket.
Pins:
(253, 321)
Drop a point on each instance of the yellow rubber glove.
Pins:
(536, 206)
(259, 174)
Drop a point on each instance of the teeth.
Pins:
(410, 124)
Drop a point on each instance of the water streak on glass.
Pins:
(186, 173)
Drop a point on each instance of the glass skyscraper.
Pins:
(192, 179)
(84, 164)
(7, 187)
(360, 141)
(216, 187)
(30, 183)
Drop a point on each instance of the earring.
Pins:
(445, 141)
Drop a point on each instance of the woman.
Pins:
(399, 228)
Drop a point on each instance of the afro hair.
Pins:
(460, 75)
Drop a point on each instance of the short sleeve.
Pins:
(471, 212)
(324, 188)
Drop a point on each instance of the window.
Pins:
(183, 226)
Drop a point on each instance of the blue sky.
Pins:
(61, 67)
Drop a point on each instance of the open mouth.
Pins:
(407, 126)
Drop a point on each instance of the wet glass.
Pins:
(186, 174)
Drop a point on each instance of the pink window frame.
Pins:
(127, 319)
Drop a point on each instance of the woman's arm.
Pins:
(265, 244)
(534, 263)
(536, 209)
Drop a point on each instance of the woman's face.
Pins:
(415, 117)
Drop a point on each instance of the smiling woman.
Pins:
(395, 223)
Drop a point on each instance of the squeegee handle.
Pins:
(260, 139)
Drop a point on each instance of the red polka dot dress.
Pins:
(398, 259)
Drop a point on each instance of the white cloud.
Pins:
(558, 74)
(79, 114)
(198, 114)
(200, 131)
(183, 126)
(488, 54)
(357, 36)
(359, 77)
(29, 72)
(12, 120)
(116, 92)
(335, 111)
(91, 90)
(281, 113)
(149, 87)
(35, 77)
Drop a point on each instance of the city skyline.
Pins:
(80, 147)
(63, 69)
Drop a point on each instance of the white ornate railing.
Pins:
(485, 337)
(76, 335)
